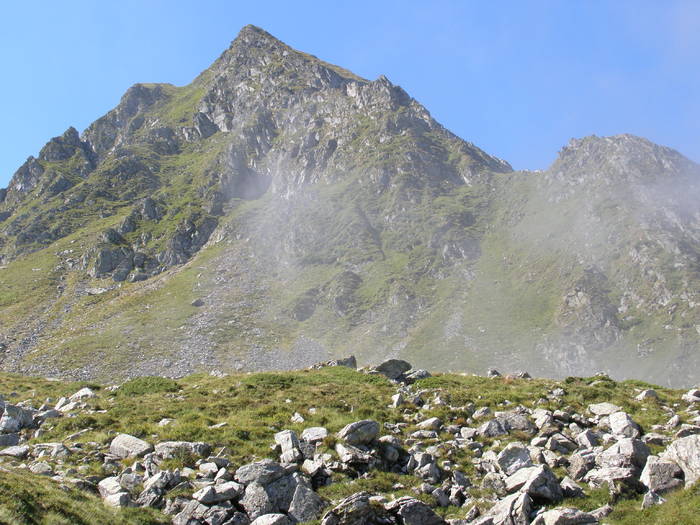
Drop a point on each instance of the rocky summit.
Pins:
(280, 211)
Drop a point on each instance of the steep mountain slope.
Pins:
(280, 210)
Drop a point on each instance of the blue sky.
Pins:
(517, 78)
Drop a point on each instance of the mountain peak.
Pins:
(619, 157)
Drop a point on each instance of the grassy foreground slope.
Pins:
(239, 415)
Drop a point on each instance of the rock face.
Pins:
(273, 164)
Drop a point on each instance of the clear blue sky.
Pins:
(517, 78)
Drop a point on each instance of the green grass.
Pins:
(681, 507)
(26, 499)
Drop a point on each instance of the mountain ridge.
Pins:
(279, 210)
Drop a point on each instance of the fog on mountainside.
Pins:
(280, 211)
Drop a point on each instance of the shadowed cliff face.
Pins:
(315, 213)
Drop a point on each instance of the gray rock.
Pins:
(571, 489)
(650, 499)
(355, 510)
(120, 499)
(626, 452)
(692, 396)
(83, 393)
(161, 480)
(393, 368)
(626, 476)
(413, 512)
(564, 516)
(352, 455)
(491, 428)
(191, 514)
(220, 492)
(256, 501)
(513, 457)
(19, 452)
(126, 446)
(9, 440)
(432, 423)
(182, 449)
(416, 375)
(306, 505)
(15, 418)
(511, 510)
(281, 491)
(603, 409)
(360, 432)
(289, 443)
(661, 475)
(561, 444)
(647, 394)
(587, 439)
(314, 434)
(41, 468)
(272, 519)
(622, 424)
(109, 486)
(262, 472)
(685, 452)
(538, 482)
(514, 421)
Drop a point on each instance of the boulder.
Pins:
(626, 476)
(355, 510)
(432, 423)
(109, 486)
(83, 393)
(16, 418)
(622, 424)
(603, 409)
(360, 432)
(692, 396)
(491, 428)
(514, 457)
(511, 510)
(120, 499)
(272, 519)
(685, 452)
(182, 449)
(256, 501)
(289, 444)
(220, 492)
(262, 472)
(19, 452)
(306, 505)
(191, 513)
(127, 446)
(538, 482)
(411, 511)
(9, 440)
(625, 453)
(314, 434)
(564, 516)
(515, 421)
(647, 394)
(352, 455)
(650, 499)
(393, 368)
(661, 475)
